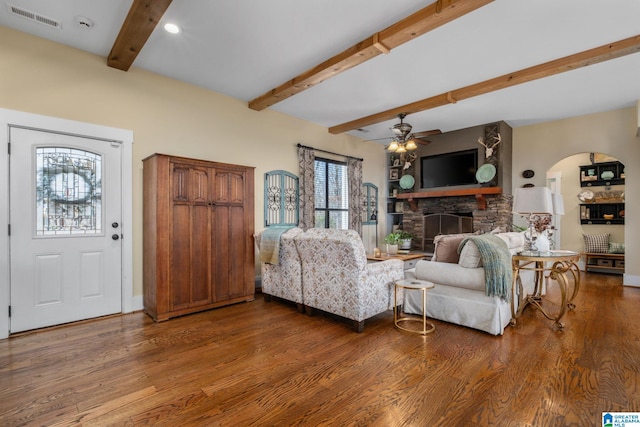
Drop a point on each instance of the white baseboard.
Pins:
(138, 302)
(629, 280)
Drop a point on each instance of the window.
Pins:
(332, 195)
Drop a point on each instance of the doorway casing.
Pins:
(34, 121)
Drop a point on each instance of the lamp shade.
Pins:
(411, 144)
(533, 200)
(558, 204)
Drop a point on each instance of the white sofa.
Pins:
(459, 295)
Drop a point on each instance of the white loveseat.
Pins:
(460, 293)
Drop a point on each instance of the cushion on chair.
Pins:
(514, 240)
(446, 247)
(470, 256)
(616, 248)
(596, 243)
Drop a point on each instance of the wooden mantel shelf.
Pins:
(478, 192)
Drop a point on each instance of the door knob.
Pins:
(115, 236)
(115, 224)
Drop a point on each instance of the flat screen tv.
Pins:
(446, 170)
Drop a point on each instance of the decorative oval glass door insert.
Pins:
(69, 192)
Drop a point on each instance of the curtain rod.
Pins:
(330, 152)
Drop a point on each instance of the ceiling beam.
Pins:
(413, 26)
(568, 63)
(143, 17)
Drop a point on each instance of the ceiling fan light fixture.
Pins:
(401, 129)
(402, 144)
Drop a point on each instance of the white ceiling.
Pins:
(244, 48)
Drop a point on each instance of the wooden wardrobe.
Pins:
(198, 235)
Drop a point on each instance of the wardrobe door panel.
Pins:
(180, 270)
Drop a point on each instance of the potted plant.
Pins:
(392, 240)
(405, 238)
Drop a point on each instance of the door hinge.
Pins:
(8, 148)
(9, 229)
(9, 311)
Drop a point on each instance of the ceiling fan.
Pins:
(403, 140)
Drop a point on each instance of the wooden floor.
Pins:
(266, 364)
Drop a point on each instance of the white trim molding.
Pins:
(629, 280)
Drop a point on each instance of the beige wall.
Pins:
(540, 147)
(175, 118)
(166, 116)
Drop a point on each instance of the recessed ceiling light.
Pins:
(171, 28)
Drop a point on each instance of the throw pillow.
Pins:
(470, 256)
(446, 247)
(596, 243)
(616, 248)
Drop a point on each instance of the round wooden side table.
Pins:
(401, 319)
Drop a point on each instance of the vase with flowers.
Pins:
(538, 236)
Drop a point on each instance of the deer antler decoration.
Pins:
(488, 152)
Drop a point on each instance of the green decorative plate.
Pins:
(407, 182)
(485, 173)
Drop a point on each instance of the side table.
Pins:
(400, 317)
(562, 262)
(408, 259)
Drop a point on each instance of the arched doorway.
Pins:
(576, 179)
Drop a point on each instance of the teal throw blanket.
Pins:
(496, 260)
(270, 244)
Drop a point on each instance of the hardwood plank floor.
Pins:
(266, 364)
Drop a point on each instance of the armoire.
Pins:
(197, 235)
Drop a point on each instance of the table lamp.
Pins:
(532, 202)
(558, 209)
(558, 204)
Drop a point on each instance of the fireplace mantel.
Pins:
(478, 192)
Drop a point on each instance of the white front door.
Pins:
(65, 235)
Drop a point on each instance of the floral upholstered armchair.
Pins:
(336, 277)
(284, 279)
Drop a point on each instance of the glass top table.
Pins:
(402, 319)
(561, 266)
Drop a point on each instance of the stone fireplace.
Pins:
(416, 219)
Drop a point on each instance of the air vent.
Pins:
(35, 17)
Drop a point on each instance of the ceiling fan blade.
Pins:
(421, 137)
(379, 139)
(426, 133)
(422, 141)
